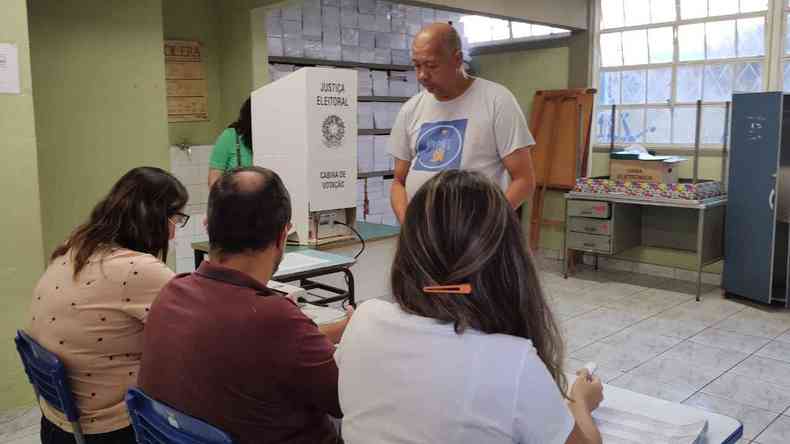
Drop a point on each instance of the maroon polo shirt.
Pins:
(220, 346)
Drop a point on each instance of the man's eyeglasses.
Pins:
(180, 220)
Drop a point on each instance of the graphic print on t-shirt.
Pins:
(440, 145)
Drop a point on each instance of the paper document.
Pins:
(298, 261)
(618, 426)
(322, 315)
(9, 69)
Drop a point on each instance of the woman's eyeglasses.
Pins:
(180, 220)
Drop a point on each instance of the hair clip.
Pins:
(453, 289)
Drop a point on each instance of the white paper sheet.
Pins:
(9, 69)
(298, 261)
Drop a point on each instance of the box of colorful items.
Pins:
(650, 191)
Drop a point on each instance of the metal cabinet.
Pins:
(756, 239)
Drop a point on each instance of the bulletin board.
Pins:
(185, 75)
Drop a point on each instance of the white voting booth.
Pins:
(304, 127)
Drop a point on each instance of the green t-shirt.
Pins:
(223, 156)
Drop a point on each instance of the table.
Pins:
(721, 429)
(325, 263)
(658, 224)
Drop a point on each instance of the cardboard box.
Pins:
(313, 49)
(367, 6)
(275, 46)
(349, 37)
(367, 39)
(350, 53)
(367, 22)
(292, 29)
(331, 35)
(367, 56)
(349, 18)
(643, 171)
(383, 56)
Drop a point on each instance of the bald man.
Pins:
(221, 346)
(457, 122)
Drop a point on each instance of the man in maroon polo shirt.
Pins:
(220, 346)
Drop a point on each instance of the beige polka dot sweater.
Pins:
(95, 325)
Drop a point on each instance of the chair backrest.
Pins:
(47, 374)
(157, 423)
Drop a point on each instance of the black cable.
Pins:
(359, 236)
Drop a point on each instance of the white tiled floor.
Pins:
(647, 334)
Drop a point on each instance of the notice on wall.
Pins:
(9, 69)
(187, 89)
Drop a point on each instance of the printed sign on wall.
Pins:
(187, 90)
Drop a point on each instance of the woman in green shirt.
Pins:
(233, 148)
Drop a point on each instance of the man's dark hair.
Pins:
(247, 212)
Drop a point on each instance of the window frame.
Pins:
(768, 75)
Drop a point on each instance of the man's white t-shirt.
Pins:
(410, 379)
(474, 131)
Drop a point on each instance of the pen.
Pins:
(591, 368)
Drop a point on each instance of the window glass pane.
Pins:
(546, 30)
(691, 42)
(635, 47)
(500, 29)
(477, 28)
(717, 83)
(611, 50)
(603, 125)
(659, 85)
(610, 88)
(693, 9)
(722, 7)
(637, 12)
(751, 37)
(661, 45)
(689, 83)
(754, 5)
(787, 36)
(748, 77)
(521, 29)
(633, 86)
(662, 11)
(684, 122)
(658, 125)
(630, 125)
(786, 76)
(611, 14)
(720, 39)
(712, 125)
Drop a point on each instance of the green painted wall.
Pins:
(20, 226)
(524, 73)
(98, 71)
(198, 20)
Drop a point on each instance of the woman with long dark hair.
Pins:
(469, 352)
(233, 148)
(90, 305)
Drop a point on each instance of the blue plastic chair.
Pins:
(47, 374)
(156, 423)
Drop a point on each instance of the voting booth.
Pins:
(304, 127)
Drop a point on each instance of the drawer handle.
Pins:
(589, 244)
(590, 229)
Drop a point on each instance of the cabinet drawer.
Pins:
(588, 208)
(590, 242)
(590, 225)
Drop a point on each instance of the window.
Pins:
(656, 58)
(786, 46)
(482, 30)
